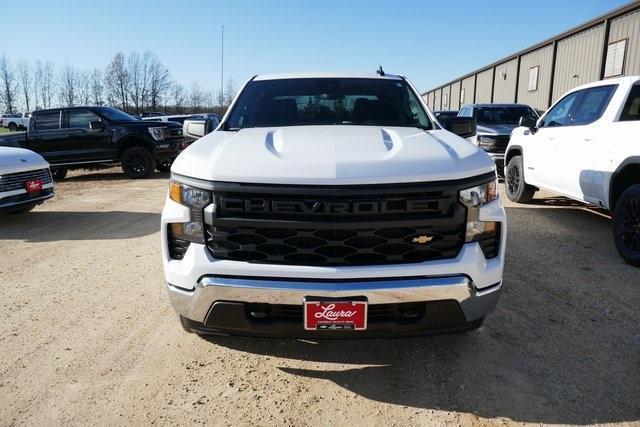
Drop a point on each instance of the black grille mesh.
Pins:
(341, 239)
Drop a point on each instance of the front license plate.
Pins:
(339, 314)
(34, 186)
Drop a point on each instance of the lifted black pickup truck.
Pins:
(80, 137)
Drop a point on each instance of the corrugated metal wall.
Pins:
(446, 99)
(455, 96)
(578, 60)
(541, 58)
(468, 86)
(628, 27)
(437, 97)
(483, 91)
(504, 89)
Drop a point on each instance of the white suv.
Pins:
(586, 147)
(333, 205)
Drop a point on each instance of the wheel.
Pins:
(626, 225)
(517, 189)
(138, 162)
(13, 127)
(23, 210)
(58, 174)
(164, 166)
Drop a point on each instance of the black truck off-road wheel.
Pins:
(517, 189)
(13, 127)
(59, 173)
(626, 225)
(164, 166)
(138, 162)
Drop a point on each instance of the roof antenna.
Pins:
(380, 71)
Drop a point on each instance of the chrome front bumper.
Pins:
(195, 304)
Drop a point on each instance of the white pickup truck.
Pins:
(25, 180)
(586, 147)
(15, 121)
(333, 205)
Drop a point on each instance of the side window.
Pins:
(631, 110)
(49, 120)
(465, 112)
(80, 119)
(593, 104)
(560, 114)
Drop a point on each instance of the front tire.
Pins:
(13, 127)
(626, 225)
(58, 174)
(138, 162)
(164, 166)
(517, 189)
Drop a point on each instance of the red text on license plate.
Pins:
(335, 315)
(33, 186)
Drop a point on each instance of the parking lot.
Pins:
(89, 337)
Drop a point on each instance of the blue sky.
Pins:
(429, 41)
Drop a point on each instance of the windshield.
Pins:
(327, 101)
(503, 115)
(115, 114)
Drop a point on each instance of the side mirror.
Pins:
(97, 125)
(464, 127)
(527, 122)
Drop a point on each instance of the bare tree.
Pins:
(116, 81)
(196, 97)
(84, 88)
(26, 81)
(96, 87)
(229, 92)
(37, 84)
(47, 84)
(178, 95)
(8, 82)
(68, 86)
(159, 81)
(138, 72)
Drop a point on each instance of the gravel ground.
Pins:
(89, 337)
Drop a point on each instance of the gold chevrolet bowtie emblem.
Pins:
(422, 239)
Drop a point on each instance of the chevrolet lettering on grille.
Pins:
(309, 207)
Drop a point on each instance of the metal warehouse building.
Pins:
(607, 46)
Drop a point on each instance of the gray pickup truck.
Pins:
(494, 124)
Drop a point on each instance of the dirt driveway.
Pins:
(88, 335)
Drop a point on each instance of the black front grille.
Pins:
(18, 180)
(501, 142)
(339, 226)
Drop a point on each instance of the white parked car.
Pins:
(333, 205)
(25, 180)
(586, 147)
(15, 121)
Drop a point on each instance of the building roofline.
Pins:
(615, 13)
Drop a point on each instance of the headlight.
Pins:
(157, 133)
(474, 198)
(487, 141)
(196, 200)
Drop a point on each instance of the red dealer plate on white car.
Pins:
(335, 314)
(34, 186)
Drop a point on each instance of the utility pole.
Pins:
(222, 71)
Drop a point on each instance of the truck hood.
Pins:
(504, 129)
(331, 155)
(17, 159)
